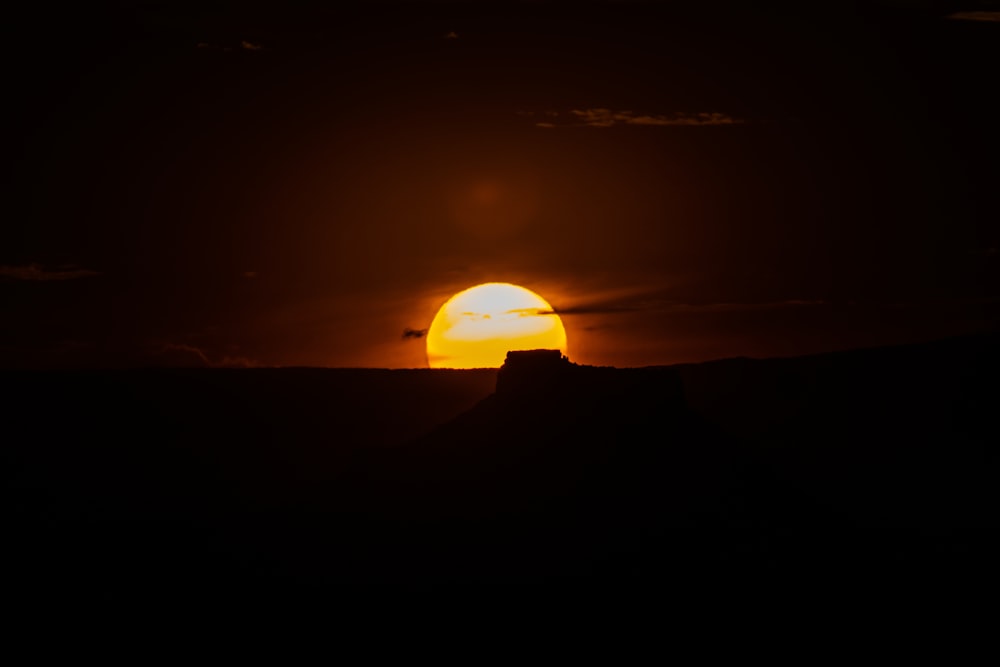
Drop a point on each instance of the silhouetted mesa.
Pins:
(550, 375)
(532, 371)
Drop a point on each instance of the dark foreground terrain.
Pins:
(855, 469)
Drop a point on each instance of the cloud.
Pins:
(598, 117)
(451, 35)
(249, 275)
(653, 302)
(591, 309)
(413, 333)
(601, 117)
(989, 17)
(527, 312)
(188, 355)
(194, 352)
(737, 307)
(244, 45)
(36, 272)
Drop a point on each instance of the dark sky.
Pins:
(296, 183)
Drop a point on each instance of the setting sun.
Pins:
(478, 326)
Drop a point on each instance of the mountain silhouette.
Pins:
(822, 471)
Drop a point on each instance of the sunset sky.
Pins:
(298, 183)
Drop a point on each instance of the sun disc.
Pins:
(478, 326)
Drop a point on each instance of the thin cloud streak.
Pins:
(741, 307)
(244, 45)
(196, 353)
(664, 306)
(36, 272)
(601, 117)
(985, 16)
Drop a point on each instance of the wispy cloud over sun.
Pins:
(616, 302)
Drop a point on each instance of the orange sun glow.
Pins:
(478, 326)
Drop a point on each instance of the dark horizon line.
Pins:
(684, 364)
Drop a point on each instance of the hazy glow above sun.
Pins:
(478, 326)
